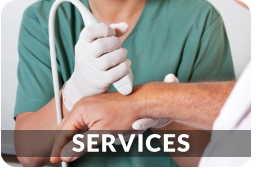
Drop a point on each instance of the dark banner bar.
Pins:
(184, 143)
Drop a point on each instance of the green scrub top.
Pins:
(183, 37)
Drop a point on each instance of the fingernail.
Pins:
(68, 154)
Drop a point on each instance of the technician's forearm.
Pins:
(193, 104)
(43, 119)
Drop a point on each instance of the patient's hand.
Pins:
(143, 124)
(111, 111)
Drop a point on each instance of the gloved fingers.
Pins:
(118, 72)
(120, 28)
(170, 78)
(162, 123)
(98, 47)
(111, 59)
(104, 45)
(95, 31)
(127, 136)
(67, 155)
(144, 124)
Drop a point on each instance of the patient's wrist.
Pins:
(156, 97)
(139, 97)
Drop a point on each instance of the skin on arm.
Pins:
(198, 142)
(28, 120)
(110, 111)
(242, 4)
(106, 11)
(195, 105)
(43, 119)
(201, 141)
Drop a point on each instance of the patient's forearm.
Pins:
(193, 104)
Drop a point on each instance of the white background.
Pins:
(238, 25)
(237, 20)
(10, 25)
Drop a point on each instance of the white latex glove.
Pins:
(99, 62)
(143, 124)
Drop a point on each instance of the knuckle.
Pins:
(78, 105)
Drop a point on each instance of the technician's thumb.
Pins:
(120, 28)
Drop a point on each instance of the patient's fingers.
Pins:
(69, 155)
(67, 129)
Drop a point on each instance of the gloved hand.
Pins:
(143, 124)
(99, 62)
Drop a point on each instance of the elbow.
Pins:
(26, 154)
(32, 161)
